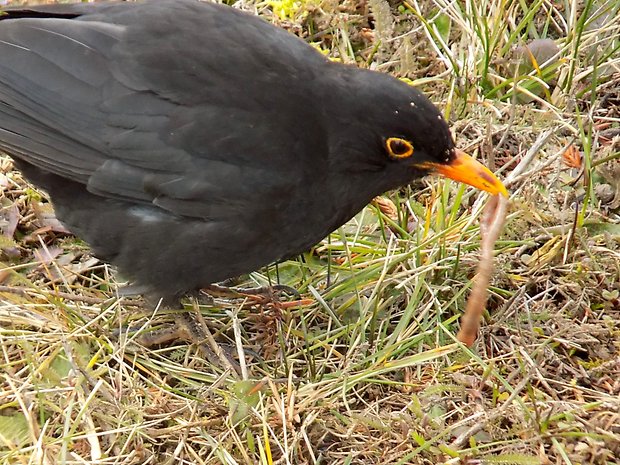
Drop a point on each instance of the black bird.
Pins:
(189, 142)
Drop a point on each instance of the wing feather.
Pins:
(83, 98)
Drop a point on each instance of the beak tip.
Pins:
(463, 168)
(498, 188)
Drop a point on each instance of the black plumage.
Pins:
(189, 142)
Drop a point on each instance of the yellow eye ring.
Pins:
(398, 148)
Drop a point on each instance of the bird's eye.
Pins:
(398, 148)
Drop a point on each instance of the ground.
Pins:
(363, 367)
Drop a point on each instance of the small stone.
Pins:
(605, 193)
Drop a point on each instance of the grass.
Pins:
(368, 370)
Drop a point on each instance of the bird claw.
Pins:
(259, 293)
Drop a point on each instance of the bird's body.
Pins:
(188, 142)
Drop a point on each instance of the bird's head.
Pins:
(396, 130)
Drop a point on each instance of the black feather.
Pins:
(188, 142)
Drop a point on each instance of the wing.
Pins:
(181, 104)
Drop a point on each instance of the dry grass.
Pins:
(369, 372)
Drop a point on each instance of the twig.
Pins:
(61, 295)
(490, 228)
(527, 159)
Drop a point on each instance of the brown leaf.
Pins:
(47, 219)
(387, 207)
(11, 215)
(8, 224)
(46, 255)
(572, 157)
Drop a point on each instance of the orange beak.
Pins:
(469, 171)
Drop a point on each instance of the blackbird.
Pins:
(189, 142)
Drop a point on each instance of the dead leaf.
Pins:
(47, 219)
(46, 255)
(11, 216)
(8, 223)
(387, 207)
(572, 157)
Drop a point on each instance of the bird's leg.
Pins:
(265, 298)
(268, 292)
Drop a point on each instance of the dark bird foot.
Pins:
(264, 298)
(259, 293)
(189, 326)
